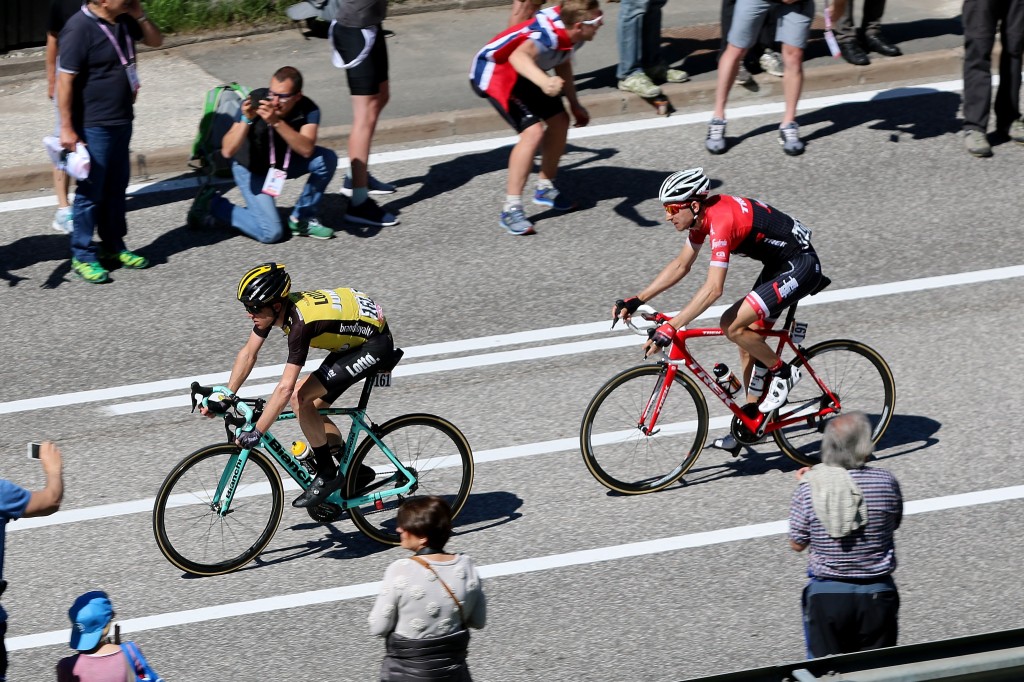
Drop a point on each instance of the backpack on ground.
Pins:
(219, 111)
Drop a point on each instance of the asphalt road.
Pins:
(891, 198)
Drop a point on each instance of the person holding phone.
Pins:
(273, 140)
(17, 502)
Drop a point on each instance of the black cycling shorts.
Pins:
(780, 286)
(528, 105)
(343, 368)
(364, 79)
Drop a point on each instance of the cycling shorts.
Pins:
(366, 77)
(528, 105)
(342, 369)
(780, 286)
(792, 22)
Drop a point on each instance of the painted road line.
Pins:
(508, 568)
(613, 340)
(489, 144)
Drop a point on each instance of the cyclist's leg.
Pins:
(306, 400)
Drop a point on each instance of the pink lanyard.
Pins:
(113, 40)
(273, 154)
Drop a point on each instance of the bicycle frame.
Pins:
(679, 355)
(227, 487)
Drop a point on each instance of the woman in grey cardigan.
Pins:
(427, 602)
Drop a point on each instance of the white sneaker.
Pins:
(727, 442)
(778, 391)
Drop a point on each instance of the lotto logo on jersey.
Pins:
(362, 364)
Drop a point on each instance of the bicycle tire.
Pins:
(620, 455)
(429, 446)
(187, 528)
(859, 377)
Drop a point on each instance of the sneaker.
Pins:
(976, 143)
(728, 443)
(789, 138)
(515, 221)
(63, 220)
(771, 62)
(743, 76)
(778, 391)
(309, 228)
(640, 83)
(89, 271)
(199, 212)
(663, 74)
(374, 186)
(126, 258)
(715, 143)
(1016, 131)
(553, 199)
(369, 213)
(318, 491)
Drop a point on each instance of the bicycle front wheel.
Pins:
(431, 448)
(856, 374)
(190, 531)
(624, 458)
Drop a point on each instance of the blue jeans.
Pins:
(100, 198)
(258, 218)
(639, 35)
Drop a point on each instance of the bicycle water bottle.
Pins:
(302, 452)
(726, 379)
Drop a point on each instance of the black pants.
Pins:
(871, 20)
(842, 617)
(980, 19)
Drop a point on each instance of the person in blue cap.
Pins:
(99, 657)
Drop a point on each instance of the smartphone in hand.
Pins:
(33, 450)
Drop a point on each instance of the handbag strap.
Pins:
(425, 564)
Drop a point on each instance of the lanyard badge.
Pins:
(274, 184)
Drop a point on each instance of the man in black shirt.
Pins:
(96, 89)
(273, 139)
(60, 12)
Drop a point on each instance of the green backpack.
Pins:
(219, 111)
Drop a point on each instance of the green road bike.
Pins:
(221, 505)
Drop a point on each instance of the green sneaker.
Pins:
(126, 258)
(309, 228)
(89, 271)
(1016, 131)
(640, 83)
(200, 210)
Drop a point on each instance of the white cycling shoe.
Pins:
(778, 391)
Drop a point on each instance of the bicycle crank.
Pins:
(325, 512)
(741, 433)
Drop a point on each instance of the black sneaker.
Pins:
(369, 213)
(319, 491)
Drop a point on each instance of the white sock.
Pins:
(512, 201)
(544, 183)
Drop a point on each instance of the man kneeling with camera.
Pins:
(272, 140)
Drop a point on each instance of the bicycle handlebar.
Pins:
(652, 317)
(238, 412)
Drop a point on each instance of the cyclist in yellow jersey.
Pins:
(343, 321)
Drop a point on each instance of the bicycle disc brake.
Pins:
(325, 512)
(741, 433)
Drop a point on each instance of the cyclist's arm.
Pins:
(677, 268)
(245, 361)
(279, 399)
(708, 293)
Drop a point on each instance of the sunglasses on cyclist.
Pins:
(254, 308)
(672, 209)
(596, 21)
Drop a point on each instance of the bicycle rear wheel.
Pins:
(620, 455)
(431, 448)
(859, 378)
(190, 532)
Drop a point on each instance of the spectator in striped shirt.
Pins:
(847, 513)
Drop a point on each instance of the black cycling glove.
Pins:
(629, 305)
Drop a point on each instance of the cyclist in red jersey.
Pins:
(746, 227)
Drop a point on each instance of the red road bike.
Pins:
(645, 428)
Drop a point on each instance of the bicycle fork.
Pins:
(648, 421)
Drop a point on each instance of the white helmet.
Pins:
(683, 186)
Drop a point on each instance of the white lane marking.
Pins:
(106, 511)
(520, 566)
(480, 343)
(459, 148)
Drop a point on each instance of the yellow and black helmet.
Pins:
(264, 284)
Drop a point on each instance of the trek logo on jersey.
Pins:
(789, 285)
(361, 365)
(718, 243)
(775, 242)
(744, 206)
